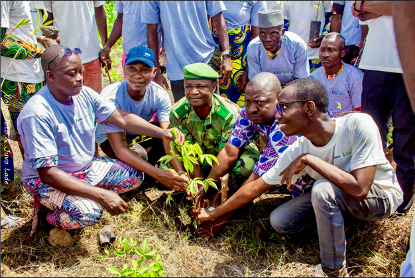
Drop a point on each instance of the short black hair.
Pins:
(311, 89)
(336, 35)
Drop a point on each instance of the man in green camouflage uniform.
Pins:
(208, 119)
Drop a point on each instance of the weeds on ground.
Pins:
(145, 266)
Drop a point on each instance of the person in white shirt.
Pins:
(384, 92)
(344, 23)
(78, 22)
(342, 81)
(23, 77)
(344, 156)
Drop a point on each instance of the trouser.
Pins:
(326, 203)
(74, 212)
(142, 143)
(384, 95)
(93, 75)
(351, 53)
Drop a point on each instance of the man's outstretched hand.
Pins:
(204, 215)
(172, 180)
(210, 229)
(169, 136)
(317, 41)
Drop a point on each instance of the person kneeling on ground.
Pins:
(138, 95)
(256, 119)
(57, 129)
(344, 156)
(207, 119)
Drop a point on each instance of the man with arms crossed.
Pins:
(344, 156)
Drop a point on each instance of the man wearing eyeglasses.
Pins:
(277, 51)
(344, 156)
(57, 127)
(256, 119)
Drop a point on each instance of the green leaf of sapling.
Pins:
(114, 270)
(45, 15)
(144, 246)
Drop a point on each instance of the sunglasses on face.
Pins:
(278, 105)
(67, 51)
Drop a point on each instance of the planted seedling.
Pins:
(190, 155)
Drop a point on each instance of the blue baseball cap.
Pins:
(141, 53)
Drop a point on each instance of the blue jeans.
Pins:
(326, 202)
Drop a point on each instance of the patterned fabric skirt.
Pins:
(239, 39)
(16, 94)
(74, 212)
(314, 64)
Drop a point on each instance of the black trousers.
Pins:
(351, 52)
(384, 95)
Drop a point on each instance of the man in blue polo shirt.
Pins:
(276, 51)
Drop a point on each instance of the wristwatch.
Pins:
(209, 208)
(226, 52)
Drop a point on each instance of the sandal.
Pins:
(11, 220)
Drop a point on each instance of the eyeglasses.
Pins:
(67, 51)
(282, 103)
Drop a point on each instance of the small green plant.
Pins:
(149, 263)
(190, 154)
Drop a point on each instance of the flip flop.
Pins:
(11, 221)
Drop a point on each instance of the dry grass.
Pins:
(373, 249)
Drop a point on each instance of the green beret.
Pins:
(199, 71)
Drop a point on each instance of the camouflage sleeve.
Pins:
(227, 130)
(242, 132)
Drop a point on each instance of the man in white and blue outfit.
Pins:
(276, 51)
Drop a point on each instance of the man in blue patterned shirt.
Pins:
(257, 118)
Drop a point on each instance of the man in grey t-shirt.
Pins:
(138, 95)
